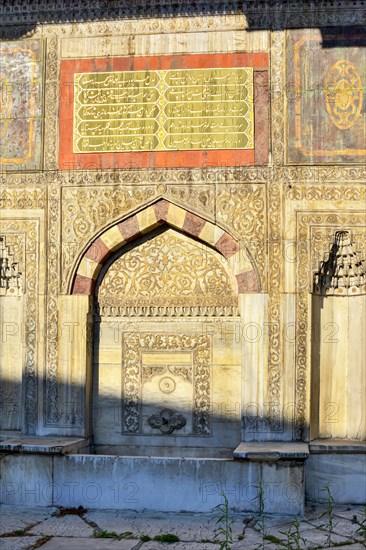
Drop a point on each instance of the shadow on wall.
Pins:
(259, 16)
(191, 476)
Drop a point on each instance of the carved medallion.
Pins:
(167, 421)
(343, 94)
(167, 385)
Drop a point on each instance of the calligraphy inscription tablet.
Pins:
(174, 110)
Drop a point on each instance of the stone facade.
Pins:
(173, 175)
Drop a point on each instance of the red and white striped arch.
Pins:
(164, 212)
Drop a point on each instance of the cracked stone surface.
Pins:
(188, 527)
(317, 537)
(14, 518)
(64, 526)
(59, 543)
(18, 543)
(195, 531)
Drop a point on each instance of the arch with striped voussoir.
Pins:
(160, 213)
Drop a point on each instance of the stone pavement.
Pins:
(71, 529)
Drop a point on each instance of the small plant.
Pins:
(330, 524)
(293, 536)
(98, 534)
(225, 524)
(104, 534)
(168, 537)
(145, 538)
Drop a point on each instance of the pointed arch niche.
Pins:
(166, 370)
(164, 212)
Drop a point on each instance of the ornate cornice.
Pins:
(258, 14)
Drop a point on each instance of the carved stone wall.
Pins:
(283, 196)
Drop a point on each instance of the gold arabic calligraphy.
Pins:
(164, 110)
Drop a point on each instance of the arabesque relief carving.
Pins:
(169, 270)
(133, 347)
(243, 207)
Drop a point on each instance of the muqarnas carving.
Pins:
(343, 272)
(325, 91)
(10, 276)
(21, 92)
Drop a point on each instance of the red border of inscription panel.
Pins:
(68, 160)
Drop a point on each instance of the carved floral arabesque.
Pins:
(242, 207)
(168, 270)
(52, 102)
(53, 413)
(23, 198)
(326, 192)
(274, 201)
(315, 233)
(135, 344)
(24, 236)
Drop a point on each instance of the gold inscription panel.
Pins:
(175, 110)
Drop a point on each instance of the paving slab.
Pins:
(75, 543)
(67, 526)
(347, 528)
(341, 526)
(251, 540)
(188, 527)
(317, 537)
(18, 543)
(357, 511)
(13, 518)
(153, 545)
